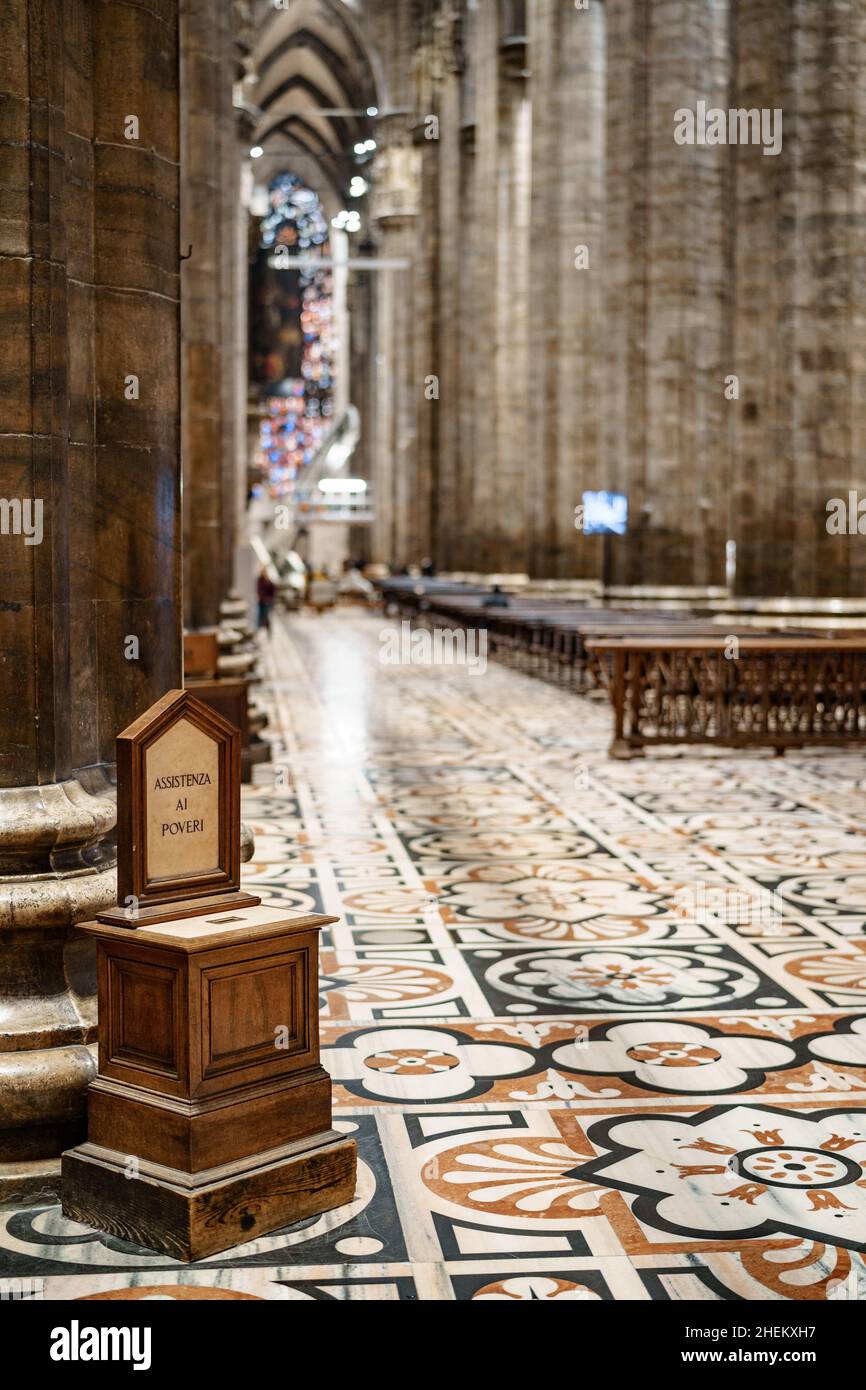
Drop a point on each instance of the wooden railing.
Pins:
(759, 691)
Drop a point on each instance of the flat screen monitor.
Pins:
(605, 513)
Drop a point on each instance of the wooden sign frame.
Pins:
(161, 898)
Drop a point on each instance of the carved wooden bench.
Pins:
(777, 692)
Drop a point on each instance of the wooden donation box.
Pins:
(209, 1122)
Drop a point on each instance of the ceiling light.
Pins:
(342, 485)
(256, 152)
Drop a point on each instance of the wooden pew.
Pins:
(229, 696)
(201, 654)
(557, 640)
(547, 638)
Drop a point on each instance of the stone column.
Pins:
(210, 209)
(567, 259)
(495, 535)
(799, 427)
(360, 301)
(427, 330)
(466, 338)
(666, 278)
(89, 624)
(452, 454)
(394, 202)
(393, 213)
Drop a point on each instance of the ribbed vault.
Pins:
(314, 86)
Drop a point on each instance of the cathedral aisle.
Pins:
(599, 1028)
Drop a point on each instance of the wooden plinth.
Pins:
(191, 1216)
(209, 1121)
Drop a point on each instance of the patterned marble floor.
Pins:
(599, 1028)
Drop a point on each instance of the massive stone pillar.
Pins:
(394, 210)
(362, 366)
(468, 290)
(430, 136)
(211, 290)
(452, 452)
(567, 252)
(498, 374)
(89, 518)
(666, 277)
(799, 427)
(428, 333)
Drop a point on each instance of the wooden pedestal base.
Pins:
(209, 1122)
(189, 1216)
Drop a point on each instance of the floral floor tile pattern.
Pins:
(599, 1028)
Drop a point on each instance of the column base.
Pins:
(189, 1216)
(56, 869)
(30, 1183)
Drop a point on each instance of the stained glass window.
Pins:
(292, 330)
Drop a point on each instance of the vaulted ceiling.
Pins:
(313, 86)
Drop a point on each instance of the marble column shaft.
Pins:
(211, 285)
(567, 88)
(799, 432)
(396, 535)
(89, 623)
(665, 292)
(498, 374)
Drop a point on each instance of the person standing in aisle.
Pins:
(265, 593)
